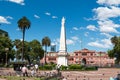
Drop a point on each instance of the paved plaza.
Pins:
(100, 74)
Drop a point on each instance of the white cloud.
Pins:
(89, 19)
(95, 44)
(9, 17)
(103, 13)
(74, 38)
(105, 43)
(36, 16)
(54, 17)
(75, 28)
(4, 20)
(47, 13)
(69, 41)
(105, 16)
(21, 2)
(56, 41)
(91, 27)
(82, 28)
(109, 2)
(53, 43)
(108, 26)
(107, 35)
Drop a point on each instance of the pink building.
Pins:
(84, 56)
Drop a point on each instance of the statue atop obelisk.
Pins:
(62, 55)
(63, 22)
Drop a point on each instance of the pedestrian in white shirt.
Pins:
(32, 72)
(24, 71)
(36, 67)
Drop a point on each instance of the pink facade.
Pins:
(84, 56)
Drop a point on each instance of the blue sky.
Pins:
(89, 23)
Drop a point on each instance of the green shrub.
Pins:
(46, 67)
(75, 67)
(90, 68)
(70, 67)
(63, 67)
(81, 67)
(10, 66)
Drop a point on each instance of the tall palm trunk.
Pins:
(23, 44)
(45, 54)
(23, 24)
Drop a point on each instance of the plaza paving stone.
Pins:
(100, 74)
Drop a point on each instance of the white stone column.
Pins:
(62, 55)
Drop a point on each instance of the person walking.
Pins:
(36, 67)
(32, 72)
(58, 69)
(24, 71)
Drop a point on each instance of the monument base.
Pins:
(62, 59)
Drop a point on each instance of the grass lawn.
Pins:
(22, 78)
(19, 78)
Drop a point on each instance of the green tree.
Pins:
(115, 52)
(36, 50)
(114, 40)
(5, 42)
(111, 53)
(18, 45)
(27, 51)
(23, 24)
(46, 42)
(33, 50)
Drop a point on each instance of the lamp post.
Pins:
(115, 58)
(100, 59)
(6, 49)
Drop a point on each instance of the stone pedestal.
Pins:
(62, 59)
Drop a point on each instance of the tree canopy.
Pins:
(115, 52)
(36, 49)
(33, 50)
(6, 46)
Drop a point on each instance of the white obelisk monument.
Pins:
(62, 54)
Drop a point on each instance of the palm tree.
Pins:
(46, 42)
(23, 24)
